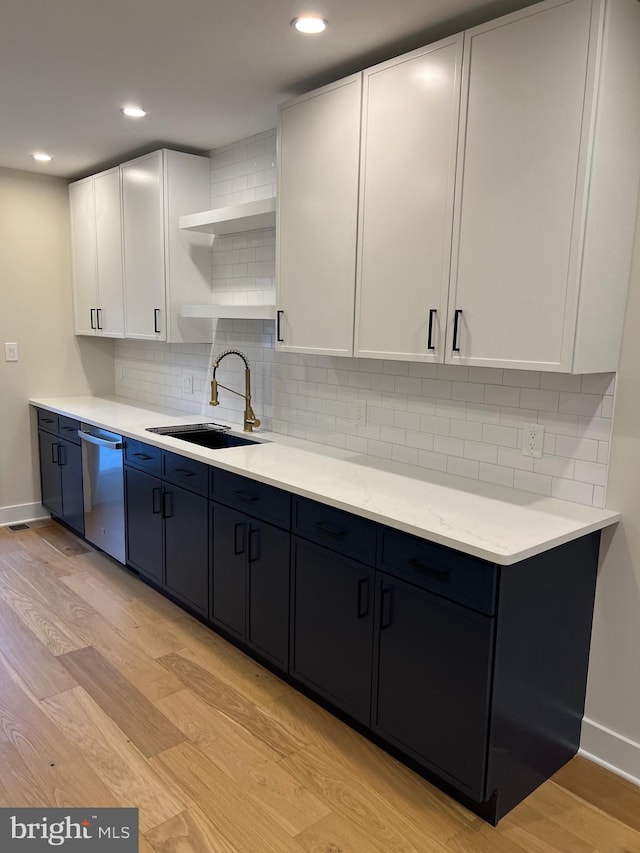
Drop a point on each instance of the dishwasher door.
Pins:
(103, 486)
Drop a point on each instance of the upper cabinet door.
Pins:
(409, 137)
(83, 254)
(110, 305)
(143, 237)
(514, 289)
(318, 156)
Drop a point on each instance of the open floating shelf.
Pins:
(249, 216)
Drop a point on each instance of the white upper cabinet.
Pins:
(408, 162)
(546, 187)
(96, 239)
(316, 225)
(164, 266)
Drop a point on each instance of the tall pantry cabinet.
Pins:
(498, 187)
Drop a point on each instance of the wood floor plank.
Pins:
(336, 834)
(149, 677)
(612, 794)
(40, 757)
(352, 798)
(189, 832)
(58, 636)
(141, 721)
(122, 768)
(233, 704)
(33, 579)
(234, 814)
(252, 765)
(413, 796)
(62, 540)
(55, 564)
(41, 671)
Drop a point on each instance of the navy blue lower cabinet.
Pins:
(143, 498)
(186, 550)
(431, 681)
(250, 582)
(61, 479)
(332, 626)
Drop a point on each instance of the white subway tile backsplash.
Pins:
(465, 420)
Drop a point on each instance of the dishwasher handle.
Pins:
(101, 442)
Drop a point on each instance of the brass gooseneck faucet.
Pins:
(250, 420)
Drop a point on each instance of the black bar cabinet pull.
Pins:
(385, 608)
(156, 319)
(156, 501)
(254, 544)
(431, 570)
(185, 471)
(329, 529)
(54, 453)
(456, 319)
(278, 328)
(99, 317)
(167, 504)
(363, 598)
(93, 318)
(62, 455)
(245, 496)
(142, 456)
(432, 314)
(238, 538)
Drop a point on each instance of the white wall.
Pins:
(36, 312)
(611, 731)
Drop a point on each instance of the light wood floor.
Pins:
(112, 696)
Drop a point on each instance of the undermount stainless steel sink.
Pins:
(213, 436)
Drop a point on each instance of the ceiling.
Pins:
(209, 72)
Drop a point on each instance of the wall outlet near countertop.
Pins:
(361, 412)
(187, 384)
(532, 440)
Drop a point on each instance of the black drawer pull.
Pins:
(238, 540)
(386, 614)
(143, 456)
(185, 471)
(329, 529)
(363, 598)
(246, 496)
(46, 420)
(69, 429)
(431, 570)
(54, 453)
(156, 501)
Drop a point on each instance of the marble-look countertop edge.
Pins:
(131, 419)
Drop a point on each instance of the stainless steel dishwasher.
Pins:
(103, 487)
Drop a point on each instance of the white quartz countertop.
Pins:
(492, 522)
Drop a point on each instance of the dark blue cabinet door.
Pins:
(332, 632)
(50, 473)
(186, 552)
(431, 684)
(143, 494)
(268, 591)
(228, 556)
(70, 464)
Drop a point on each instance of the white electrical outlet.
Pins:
(187, 384)
(532, 440)
(11, 352)
(361, 412)
(119, 370)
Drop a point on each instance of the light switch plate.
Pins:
(11, 352)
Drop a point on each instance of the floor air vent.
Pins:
(15, 527)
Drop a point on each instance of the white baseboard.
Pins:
(22, 513)
(611, 750)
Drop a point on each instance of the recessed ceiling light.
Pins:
(134, 112)
(40, 155)
(309, 24)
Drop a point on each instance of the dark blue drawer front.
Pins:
(449, 573)
(185, 472)
(257, 499)
(48, 420)
(335, 529)
(68, 428)
(143, 456)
